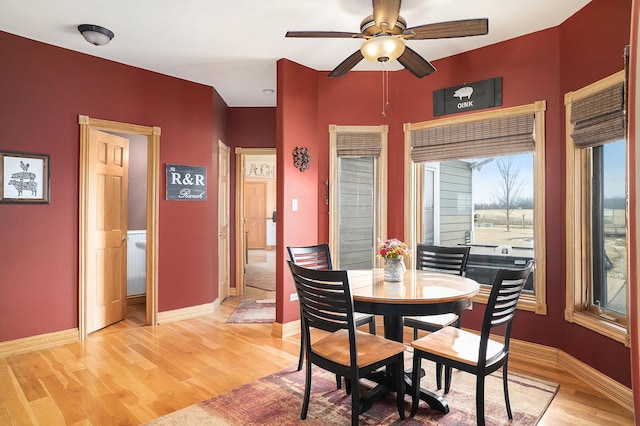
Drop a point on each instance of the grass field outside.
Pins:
(491, 228)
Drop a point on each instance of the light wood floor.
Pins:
(130, 374)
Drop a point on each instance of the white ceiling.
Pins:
(234, 45)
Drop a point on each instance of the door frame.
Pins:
(153, 173)
(224, 188)
(241, 154)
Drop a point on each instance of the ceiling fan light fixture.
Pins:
(95, 34)
(382, 48)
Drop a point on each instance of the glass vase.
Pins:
(394, 269)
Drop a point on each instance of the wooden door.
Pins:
(223, 221)
(107, 193)
(255, 214)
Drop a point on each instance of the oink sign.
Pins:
(468, 97)
(186, 182)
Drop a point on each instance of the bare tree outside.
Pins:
(509, 187)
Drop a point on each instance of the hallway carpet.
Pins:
(254, 311)
(260, 271)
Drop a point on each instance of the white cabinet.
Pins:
(271, 233)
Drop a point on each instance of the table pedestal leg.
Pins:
(394, 330)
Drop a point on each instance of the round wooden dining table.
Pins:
(419, 293)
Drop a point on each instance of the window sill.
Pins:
(599, 325)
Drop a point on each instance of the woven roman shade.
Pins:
(599, 118)
(358, 144)
(475, 139)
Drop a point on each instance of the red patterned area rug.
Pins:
(254, 311)
(276, 400)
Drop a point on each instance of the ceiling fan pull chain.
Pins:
(383, 113)
(387, 86)
(385, 89)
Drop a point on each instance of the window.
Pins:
(608, 230)
(597, 208)
(356, 212)
(478, 180)
(357, 192)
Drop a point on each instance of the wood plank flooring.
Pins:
(128, 374)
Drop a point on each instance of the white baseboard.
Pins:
(188, 312)
(40, 341)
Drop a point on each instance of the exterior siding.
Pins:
(455, 202)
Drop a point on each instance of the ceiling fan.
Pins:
(385, 33)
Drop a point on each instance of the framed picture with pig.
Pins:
(468, 97)
(24, 178)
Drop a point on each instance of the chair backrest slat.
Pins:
(311, 257)
(502, 304)
(324, 296)
(325, 302)
(451, 260)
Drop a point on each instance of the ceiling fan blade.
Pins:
(322, 34)
(415, 63)
(462, 28)
(347, 64)
(385, 13)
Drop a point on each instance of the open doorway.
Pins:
(256, 215)
(104, 175)
(136, 241)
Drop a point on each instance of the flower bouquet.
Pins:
(393, 249)
(393, 252)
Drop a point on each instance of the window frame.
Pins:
(380, 186)
(537, 302)
(578, 258)
(435, 168)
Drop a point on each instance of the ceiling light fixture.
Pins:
(382, 48)
(268, 92)
(95, 34)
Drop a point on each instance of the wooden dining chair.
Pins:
(450, 260)
(477, 354)
(326, 304)
(319, 257)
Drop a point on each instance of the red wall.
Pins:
(44, 89)
(587, 56)
(248, 127)
(296, 123)
(539, 66)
